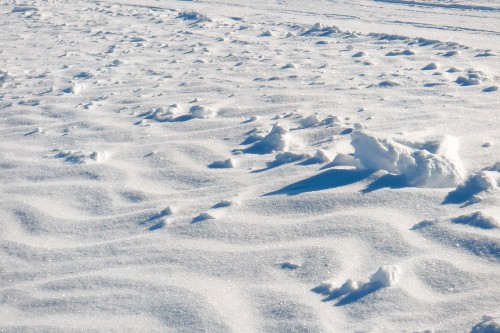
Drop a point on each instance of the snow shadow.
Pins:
(325, 180)
(346, 297)
(460, 196)
(387, 181)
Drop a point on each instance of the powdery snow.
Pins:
(249, 166)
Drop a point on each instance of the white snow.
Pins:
(202, 112)
(275, 141)
(420, 167)
(249, 166)
(386, 276)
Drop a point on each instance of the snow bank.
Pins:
(420, 167)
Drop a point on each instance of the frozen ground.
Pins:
(249, 166)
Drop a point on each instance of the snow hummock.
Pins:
(477, 185)
(276, 140)
(479, 220)
(194, 16)
(351, 290)
(312, 120)
(420, 167)
(223, 164)
(202, 112)
(170, 235)
(386, 276)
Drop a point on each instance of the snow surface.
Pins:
(249, 166)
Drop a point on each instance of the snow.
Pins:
(249, 166)
(386, 276)
(420, 167)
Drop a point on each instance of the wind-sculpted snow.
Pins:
(420, 167)
(249, 166)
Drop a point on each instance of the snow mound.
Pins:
(400, 53)
(388, 84)
(194, 16)
(490, 89)
(312, 120)
(276, 140)
(267, 33)
(203, 217)
(319, 29)
(345, 160)
(478, 184)
(201, 112)
(321, 156)
(423, 169)
(288, 157)
(223, 203)
(420, 167)
(466, 81)
(386, 276)
(359, 54)
(3, 77)
(350, 290)
(160, 114)
(226, 164)
(377, 153)
(477, 219)
(430, 66)
(488, 325)
(289, 265)
(23, 9)
(77, 157)
(290, 66)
